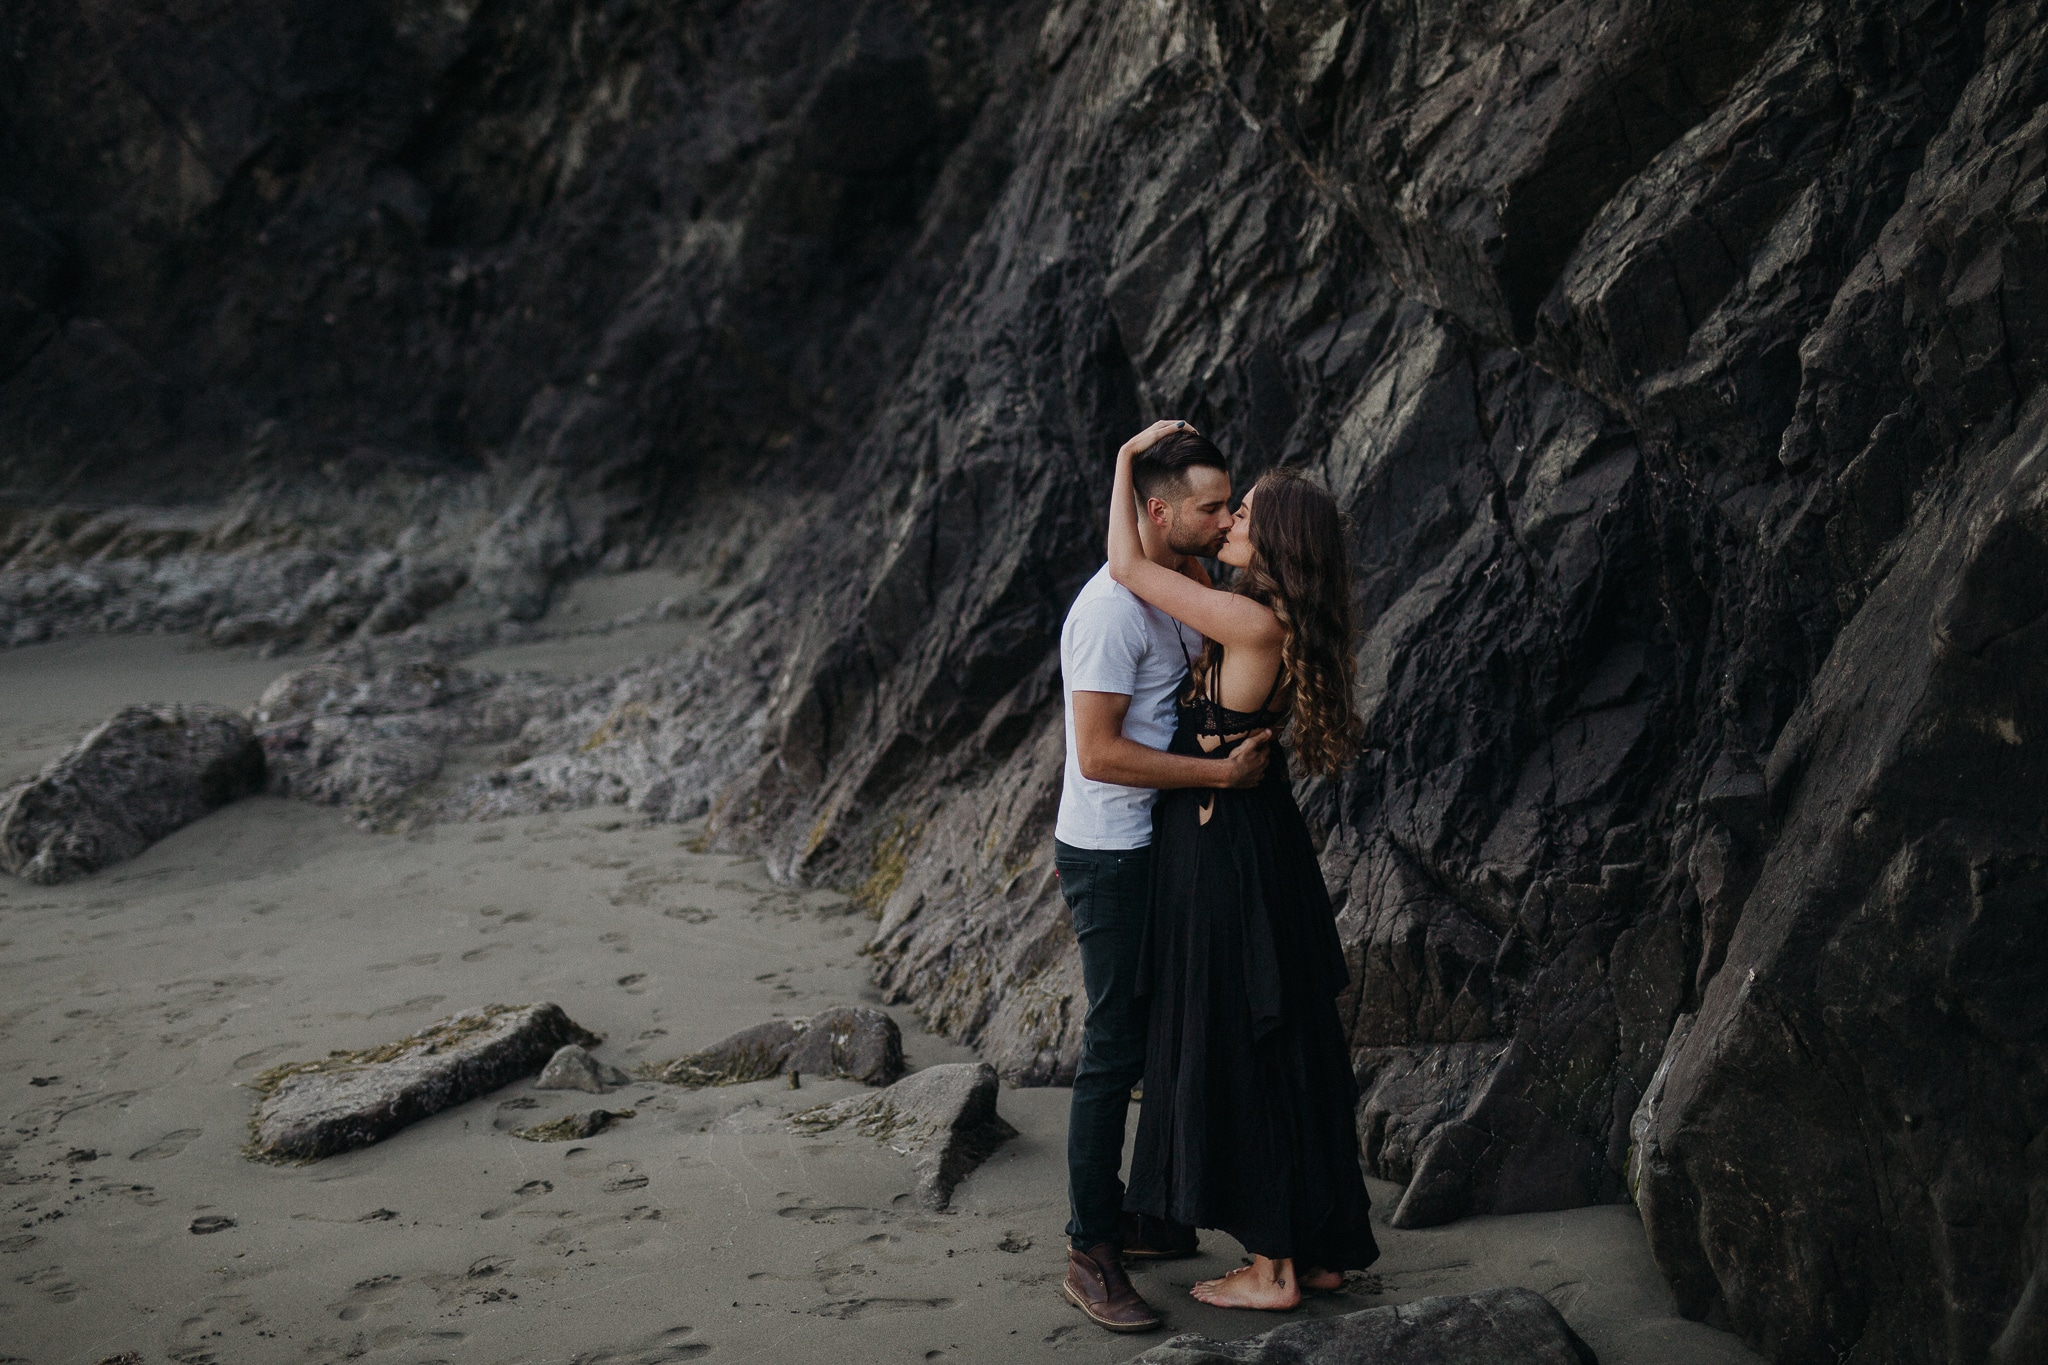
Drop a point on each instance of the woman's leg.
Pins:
(1265, 1283)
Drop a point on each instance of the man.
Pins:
(1122, 663)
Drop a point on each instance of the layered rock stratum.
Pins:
(1678, 365)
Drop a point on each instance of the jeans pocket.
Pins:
(1077, 887)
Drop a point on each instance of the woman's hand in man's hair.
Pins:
(1151, 435)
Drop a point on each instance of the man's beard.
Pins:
(1185, 542)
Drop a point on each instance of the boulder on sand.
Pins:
(851, 1042)
(573, 1068)
(1495, 1327)
(352, 1099)
(146, 772)
(943, 1118)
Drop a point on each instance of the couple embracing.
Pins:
(1208, 947)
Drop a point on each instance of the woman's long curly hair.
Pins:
(1302, 570)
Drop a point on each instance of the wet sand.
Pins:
(134, 1003)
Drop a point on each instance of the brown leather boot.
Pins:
(1096, 1284)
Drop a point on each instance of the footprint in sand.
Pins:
(417, 960)
(52, 1283)
(215, 1315)
(847, 1310)
(660, 1349)
(839, 1272)
(849, 1214)
(169, 1145)
(532, 1189)
(259, 1056)
(412, 1006)
(390, 1338)
(364, 1295)
(479, 954)
(623, 1175)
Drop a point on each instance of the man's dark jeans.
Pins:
(1107, 891)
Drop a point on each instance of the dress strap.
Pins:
(1274, 690)
(1195, 688)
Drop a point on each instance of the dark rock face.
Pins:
(346, 1100)
(1497, 1327)
(1679, 366)
(146, 772)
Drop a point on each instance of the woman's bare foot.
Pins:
(1322, 1281)
(1262, 1284)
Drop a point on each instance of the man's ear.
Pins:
(1160, 514)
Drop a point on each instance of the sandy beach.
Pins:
(138, 1001)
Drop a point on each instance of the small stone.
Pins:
(573, 1068)
(943, 1118)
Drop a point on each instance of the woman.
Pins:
(1248, 1120)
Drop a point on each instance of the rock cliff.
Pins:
(1678, 365)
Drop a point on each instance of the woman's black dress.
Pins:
(1249, 1117)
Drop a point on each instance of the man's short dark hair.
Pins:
(1162, 471)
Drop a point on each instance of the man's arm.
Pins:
(1107, 755)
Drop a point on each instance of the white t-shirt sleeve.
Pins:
(1105, 644)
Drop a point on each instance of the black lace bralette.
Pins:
(1214, 718)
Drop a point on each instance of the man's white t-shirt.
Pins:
(1114, 642)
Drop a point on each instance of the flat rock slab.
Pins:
(146, 772)
(850, 1042)
(1496, 1327)
(943, 1118)
(352, 1099)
